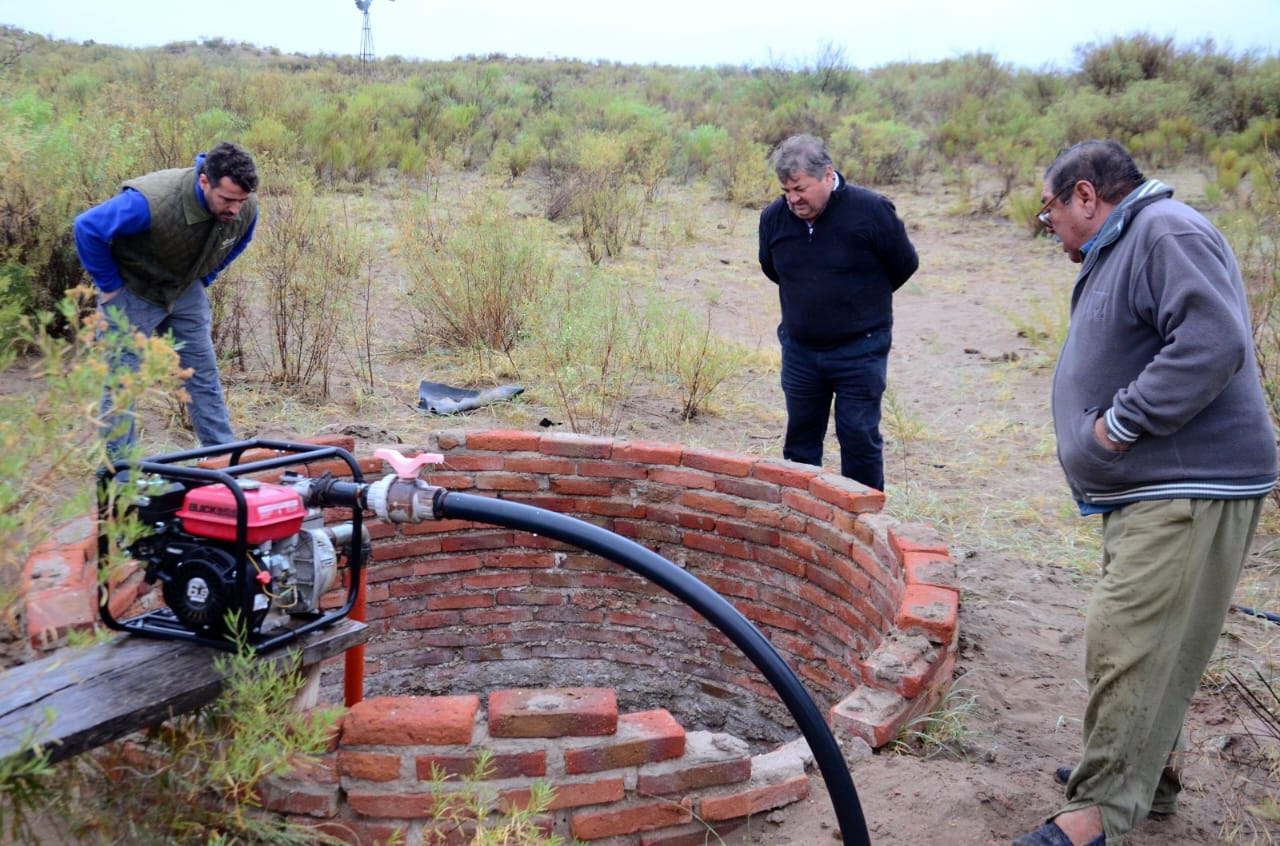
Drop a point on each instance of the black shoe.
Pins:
(1062, 775)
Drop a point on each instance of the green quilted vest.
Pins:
(185, 242)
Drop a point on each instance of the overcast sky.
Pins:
(1026, 33)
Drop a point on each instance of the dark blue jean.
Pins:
(854, 375)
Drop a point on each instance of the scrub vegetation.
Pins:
(510, 220)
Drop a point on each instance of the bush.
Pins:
(591, 339)
(689, 354)
(470, 288)
(306, 265)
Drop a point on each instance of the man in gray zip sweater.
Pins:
(1163, 429)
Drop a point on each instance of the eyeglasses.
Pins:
(1043, 214)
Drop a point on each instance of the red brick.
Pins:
(563, 712)
(915, 537)
(291, 797)
(786, 474)
(806, 504)
(931, 611)
(595, 825)
(411, 721)
(648, 452)
(502, 765)
(506, 482)
(576, 446)
(456, 601)
(846, 494)
(717, 545)
(500, 440)
(682, 478)
(754, 801)
(930, 568)
(695, 777)
(873, 714)
(369, 766)
(360, 832)
(714, 503)
(574, 795)
(582, 487)
(467, 463)
(400, 806)
(53, 614)
(612, 470)
(642, 738)
(749, 489)
(720, 462)
(539, 465)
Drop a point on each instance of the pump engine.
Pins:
(224, 545)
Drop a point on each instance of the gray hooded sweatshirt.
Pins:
(1160, 344)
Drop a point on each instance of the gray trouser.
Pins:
(191, 323)
(1170, 568)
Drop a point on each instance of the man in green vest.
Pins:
(152, 250)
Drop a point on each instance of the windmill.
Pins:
(366, 34)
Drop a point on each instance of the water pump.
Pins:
(229, 549)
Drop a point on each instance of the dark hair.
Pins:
(230, 161)
(800, 154)
(1107, 165)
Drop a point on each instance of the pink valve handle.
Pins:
(407, 468)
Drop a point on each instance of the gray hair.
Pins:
(1107, 165)
(800, 154)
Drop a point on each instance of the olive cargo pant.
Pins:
(1170, 568)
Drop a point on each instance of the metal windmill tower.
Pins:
(366, 34)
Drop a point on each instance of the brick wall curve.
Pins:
(805, 555)
(862, 607)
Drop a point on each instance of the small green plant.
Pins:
(591, 342)
(22, 790)
(307, 263)
(469, 804)
(194, 779)
(693, 358)
(54, 432)
(471, 289)
(1044, 324)
(944, 731)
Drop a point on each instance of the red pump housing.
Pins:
(274, 512)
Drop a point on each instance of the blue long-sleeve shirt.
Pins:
(127, 213)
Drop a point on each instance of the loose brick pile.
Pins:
(861, 606)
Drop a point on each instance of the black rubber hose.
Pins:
(704, 600)
(1253, 612)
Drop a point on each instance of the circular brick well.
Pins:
(466, 619)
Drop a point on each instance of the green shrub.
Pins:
(692, 357)
(305, 264)
(590, 339)
(470, 287)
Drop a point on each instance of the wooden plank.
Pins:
(78, 699)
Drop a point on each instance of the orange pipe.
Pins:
(353, 673)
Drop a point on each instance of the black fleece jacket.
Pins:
(836, 280)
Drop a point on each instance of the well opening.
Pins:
(808, 557)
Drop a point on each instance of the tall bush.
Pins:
(303, 264)
(590, 342)
(470, 287)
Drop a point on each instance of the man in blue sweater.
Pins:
(1164, 430)
(837, 253)
(152, 249)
